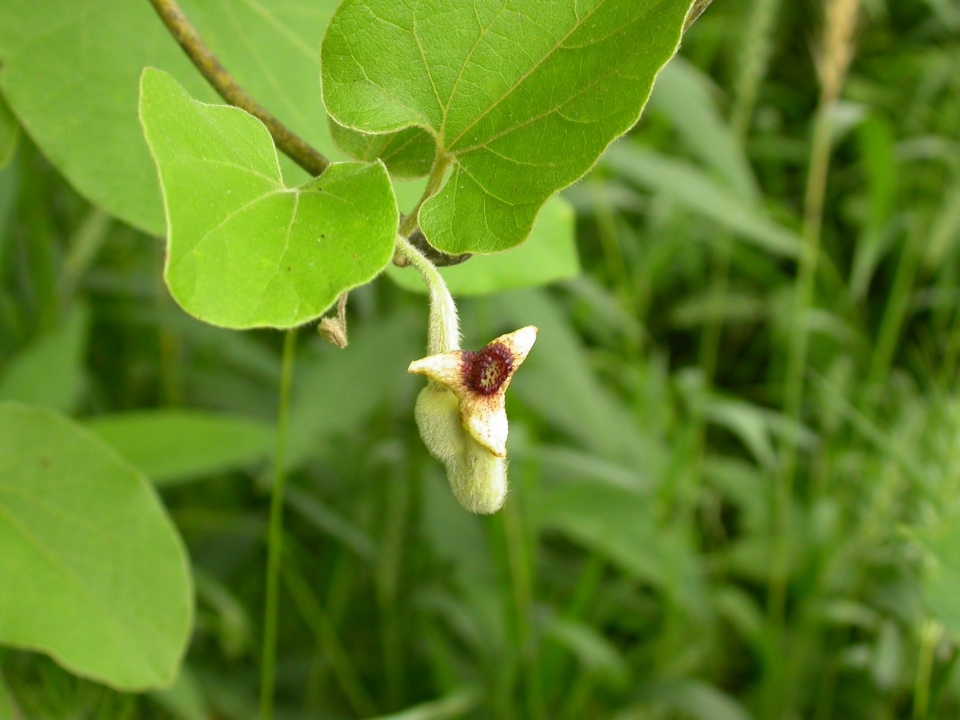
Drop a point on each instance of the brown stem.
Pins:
(286, 140)
(289, 143)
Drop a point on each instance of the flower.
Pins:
(462, 417)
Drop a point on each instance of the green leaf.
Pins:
(8, 709)
(694, 699)
(71, 72)
(173, 445)
(684, 93)
(941, 587)
(243, 249)
(92, 571)
(455, 705)
(407, 154)
(548, 255)
(184, 699)
(594, 652)
(9, 132)
(691, 188)
(50, 373)
(614, 522)
(522, 96)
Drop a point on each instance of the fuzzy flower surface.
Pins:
(462, 416)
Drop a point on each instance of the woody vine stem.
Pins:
(411, 249)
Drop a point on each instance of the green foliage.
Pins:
(651, 561)
(72, 73)
(609, 520)
(693, 189)
(100, 573)
(176, 445)
(9, 132)
(50, 373)
(245, 250)
(523, 97)
(548, 255)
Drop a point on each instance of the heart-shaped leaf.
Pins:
(175, 445)
(92, 571)
(244, 250)
(521, 96)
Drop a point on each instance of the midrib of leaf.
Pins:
(463, 67)
(225, 163)
(286, 247)
(119, 622)
(533, 69)
(426, 66)
(505, 201)
(485, 144)
(528, 73)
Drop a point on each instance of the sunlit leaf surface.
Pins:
(244, 249)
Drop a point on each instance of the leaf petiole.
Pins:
(434, 180)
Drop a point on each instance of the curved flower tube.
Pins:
(462, 417)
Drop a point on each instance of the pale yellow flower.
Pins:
(462, 417)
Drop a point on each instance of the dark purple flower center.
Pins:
(486, 370)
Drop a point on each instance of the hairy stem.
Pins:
(444, 335)
(275, 534)
(288, 142)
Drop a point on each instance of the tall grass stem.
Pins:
(754, 60)
(268, 666)
(833, 61)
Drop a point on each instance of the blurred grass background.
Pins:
(735, 448)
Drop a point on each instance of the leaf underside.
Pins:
(407, 154)
(92, 571)
(524, 97)
(244, 250)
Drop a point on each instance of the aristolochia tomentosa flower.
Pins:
(462, 418)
